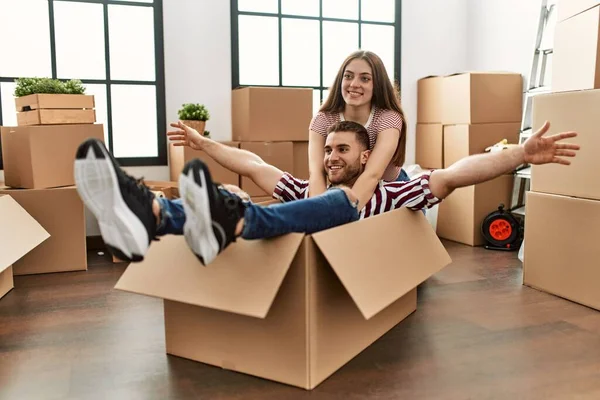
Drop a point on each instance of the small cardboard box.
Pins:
(19, 234)
(570, 111)
(279, 154)
(569, 8)
(429, 100)
(180, 155)
(561, 252)
(295, 308)
(576, 62)
(51, 109)
(482, 97)
(300, 160)
(461, 141)
(461, 214)
(40, 157)
(429, 146)
(271, 114)
(60, 212)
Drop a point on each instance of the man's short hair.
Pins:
(349, 126)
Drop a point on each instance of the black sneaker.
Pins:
(121, 203)
(211, 217)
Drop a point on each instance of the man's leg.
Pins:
(215, 218)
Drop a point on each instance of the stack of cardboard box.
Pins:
(271, 122)
(38, 159)
(461, 115)
(561, 252)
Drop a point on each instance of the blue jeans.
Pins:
(331, 209)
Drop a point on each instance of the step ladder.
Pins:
(538, 83)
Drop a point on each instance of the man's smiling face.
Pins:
(344, 158)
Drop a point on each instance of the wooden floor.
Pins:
(477, 334)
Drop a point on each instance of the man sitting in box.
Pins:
(211, 217)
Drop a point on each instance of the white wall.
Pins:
(434, 42)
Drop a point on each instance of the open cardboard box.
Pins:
(19, 234)
(295, 308)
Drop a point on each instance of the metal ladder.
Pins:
(537, 84)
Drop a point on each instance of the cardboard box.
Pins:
(40, 157)
(19, 234)
(54, 101)
(279, 154)
(60, 212)
(300, 160)
(43, 109)
(295, 308)
(482, 97)
(461, 214)
(429, 100)
(271, 114)
(180, 155)
(570, 111)
(461, 141)
(56, 117)
(429, 146)
(561, 247)
(575, 62)
(569, 8)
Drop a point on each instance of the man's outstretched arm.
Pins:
(242, 162)
(484, 167)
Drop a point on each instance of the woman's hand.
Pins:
(185, 136)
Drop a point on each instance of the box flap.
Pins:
(19, 232)
(244, 279)
(381, 258)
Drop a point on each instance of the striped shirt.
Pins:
(378, 121)
(413, 194)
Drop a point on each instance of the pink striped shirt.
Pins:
(379, 120)
(414, 194)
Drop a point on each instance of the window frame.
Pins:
(235, 13)
(159, 82)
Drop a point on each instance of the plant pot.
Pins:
(197, 125)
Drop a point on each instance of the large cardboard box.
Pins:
(461, 141)
(279, 154)
(429, 145)
(300, 160)
(39, 157)
(575, 62)
(295, 308)
(569, 8)
(60, 211)
(482, 97)
(180, 155)
(271, 114)
(19, 234)
(461, 214)
(561, 254)
(570, 111)
(429, 100)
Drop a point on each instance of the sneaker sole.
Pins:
(194, 183)
(123, 233)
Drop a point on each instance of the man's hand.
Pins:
(544, 150)
(185, 136)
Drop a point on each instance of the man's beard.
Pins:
(351, 173)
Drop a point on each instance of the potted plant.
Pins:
(194, 116)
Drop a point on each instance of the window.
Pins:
(114, 47)
(302, 43)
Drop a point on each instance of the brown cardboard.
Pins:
(54, 101)
(429, 100)
(461, 214)
(570, 111)
(429, 146)
(278, 154)
(569, 8)
(300, 160)
(169, 189)
(295, 308)
(561, 247)
(461, 141)
(271, 114)
(180, 155)
(60, 212)
(19, 234)
(482, 97)
(575, 62)
(39, 157)
(56, 117)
